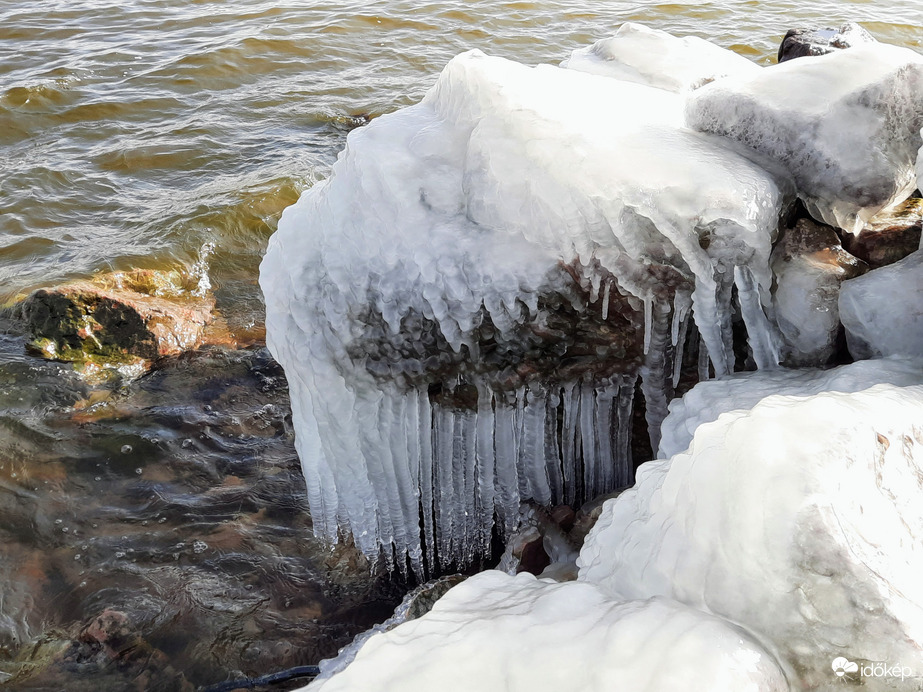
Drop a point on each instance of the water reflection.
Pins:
(157, 535)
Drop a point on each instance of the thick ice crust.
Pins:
(846, 125)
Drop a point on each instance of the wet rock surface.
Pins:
(799, 43)
(156, 536)
(889, 236)
(121, 321)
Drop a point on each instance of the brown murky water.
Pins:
(155, 535)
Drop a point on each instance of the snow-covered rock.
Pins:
(508, 253)
(800, 520)
(809, 264)
(637, 53)
(741, 392)
(496, 633)
(846, 125)
(883, 310)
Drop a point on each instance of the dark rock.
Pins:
(808, 265)
(563, 516)
(799, 43)
(120, 321)
(889, 236)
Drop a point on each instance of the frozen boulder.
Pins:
(809, 264)
(639, 54)
(846, 125)
(742, 391)
(883, 310)
(463, 307)
(799, 43)
(496, 633)
(800, 520)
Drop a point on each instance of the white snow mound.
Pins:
(637, 53)
(497, 633)
(800, 519)
(742, 391)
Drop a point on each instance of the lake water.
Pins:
(159, 134)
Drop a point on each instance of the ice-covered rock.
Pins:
(846, 125)
(462, 308)
(708, 400)
(496, 633)
(799, 43)
(883, 310)
(809, 264)
(800, 520)
(637, 53)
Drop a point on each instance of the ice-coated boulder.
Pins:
(800, 520)
(883, 310)
(496, 633)
(637, 53)
(742, 391)
(799, 43)
(809, 264)
(463, 306)
(846, 125)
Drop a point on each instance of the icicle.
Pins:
(552, 446)
(425, 437)
(625, 475)
(648, 317)
(588, 435)
(657, 373)
(605, 312)
(703, 360)
(763, 342)
(570, 403)
(506, 479)
(605, 478)
(443, 450)
(485, 468)
(532, 447)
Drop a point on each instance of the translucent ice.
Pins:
(708, 400)
(846, 125)
(463, 307)
(800, 520)
(883, 312)
(497, 633)
(639, 54)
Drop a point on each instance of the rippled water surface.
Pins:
(157, 134)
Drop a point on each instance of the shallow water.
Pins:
(161, 134)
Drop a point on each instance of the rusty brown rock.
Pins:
(889, 236)
(121, 320)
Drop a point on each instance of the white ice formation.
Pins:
(883, 311)
(800, 519)
(708, 400)
(846, 125)
(637, 53)
(497, 633)
(463, 307)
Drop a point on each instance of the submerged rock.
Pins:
(808, 266)
(883, 311)
(799, 43)
(121, 321)
(889, 236)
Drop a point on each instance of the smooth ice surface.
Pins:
(741, 392)
(882, 311)
(497, 633)
(846, 125)
(637, 53)
(800, 519)
(429, 269)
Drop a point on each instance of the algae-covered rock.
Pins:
(120, 321)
